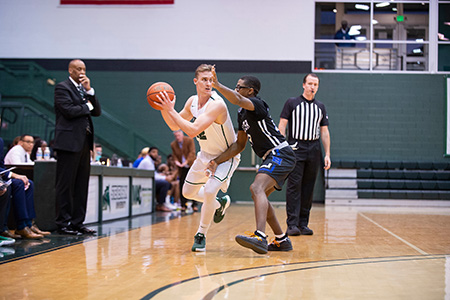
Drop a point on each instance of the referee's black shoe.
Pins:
(306, 231)
(293, 230)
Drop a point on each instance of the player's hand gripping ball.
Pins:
(154, 90)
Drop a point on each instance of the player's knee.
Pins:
(255, 188)
(188, 192)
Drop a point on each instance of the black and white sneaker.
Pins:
(283, 244)
(253, 241)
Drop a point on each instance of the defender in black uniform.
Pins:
(268, 143)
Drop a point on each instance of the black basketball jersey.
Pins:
(262, 132)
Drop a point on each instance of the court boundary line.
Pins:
(393, 234)
(335, 263)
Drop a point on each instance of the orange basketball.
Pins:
(154, 90)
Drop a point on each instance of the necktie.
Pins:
(83, 96)
(81, 91)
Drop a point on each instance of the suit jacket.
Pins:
(188, 150)
(71, 112)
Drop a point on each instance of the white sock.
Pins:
(261, 233)
(202, 228)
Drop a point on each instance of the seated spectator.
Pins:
(154, 154)
(22, 191)
(163, 172)
(162, 186)
(97, 156)
(38, 143)
(5, 192)
(172, 170)
(141, 156)
(20, 153)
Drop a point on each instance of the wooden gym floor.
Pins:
(355, 253)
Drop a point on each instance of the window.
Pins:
(382, 36)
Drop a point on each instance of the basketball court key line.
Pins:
(394, 235)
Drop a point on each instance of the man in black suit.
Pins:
(75, 103)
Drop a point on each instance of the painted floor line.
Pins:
(394, 235)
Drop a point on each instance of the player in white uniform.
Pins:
(214, 131)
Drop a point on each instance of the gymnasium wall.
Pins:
(188, 29)
(372, 116)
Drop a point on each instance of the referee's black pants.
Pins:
(301, 181)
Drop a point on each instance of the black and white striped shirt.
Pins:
(304, 119)
(261, 130)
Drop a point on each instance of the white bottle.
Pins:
(39, 153)
(46, 154)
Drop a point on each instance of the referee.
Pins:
(306, 120)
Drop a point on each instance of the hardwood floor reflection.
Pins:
(355, 253)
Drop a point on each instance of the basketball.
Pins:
(154, 90)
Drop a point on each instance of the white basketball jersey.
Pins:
(217, 137)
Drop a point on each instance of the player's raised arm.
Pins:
(232, 95)
(213, 112)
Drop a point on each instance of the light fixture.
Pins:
(419, 40)
(362, 6)
(335, 10)
(394, 9)
(417, 51)
(382, 4)
(354, 30)
(375, 22)
(442, 37)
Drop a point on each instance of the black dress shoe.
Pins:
(68, 231)
(293, 231)
(306, 231)
(85, 230)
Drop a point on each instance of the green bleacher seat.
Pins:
(397, 194)
(410, 174)
(413, 194)
(442, 175)
(410, 165)
(381, 194)
(444, 185)
(347, 164)
(437, 165)
(381, 184)
(365, 184)
(378, 164)
(380, 174)
(363, 164)
(444, 195)
(366, 194)
(364, 173)
(427, 175)
(430, 195)
(412, 184)
(396, 184)
(394, 164)
(425, 165)
(428, 184)
(395, 174)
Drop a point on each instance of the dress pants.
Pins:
(162, 188)
(301, 181)
(72, 185)
(23, 203)
(4, 202)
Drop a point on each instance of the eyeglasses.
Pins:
(29, 142)
(238, 87)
